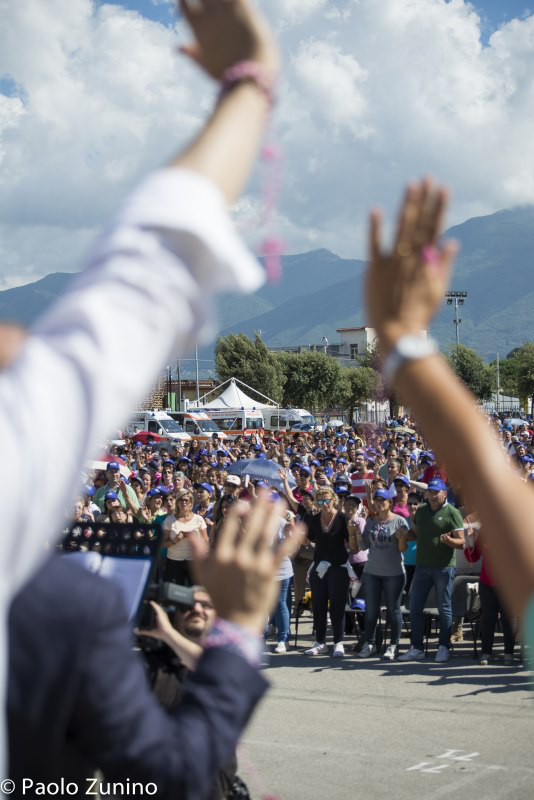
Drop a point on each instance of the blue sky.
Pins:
(493, 12)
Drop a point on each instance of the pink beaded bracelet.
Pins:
(264, 78)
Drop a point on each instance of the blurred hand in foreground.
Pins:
(240, 572)
(406, 286)
(226, 32)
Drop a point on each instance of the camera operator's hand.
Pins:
(187, 651)
(239, 573)
(162, 629)
(228, 31)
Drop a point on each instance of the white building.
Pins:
(355, 342)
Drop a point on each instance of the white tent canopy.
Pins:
(234, 397)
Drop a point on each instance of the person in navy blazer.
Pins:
(78, 697)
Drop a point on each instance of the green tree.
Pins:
(356, 386)
(507, 376)
(249, 360)
(371, 358)
(525, 370)
(472, 370)
(310, 379)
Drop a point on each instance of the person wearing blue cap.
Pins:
(439, 530)
(110, 501)
(153, 510)
(88, 494)
(342, 491)
(384, 536)
(167, 474)
(114, 482)
(401, 487)
(204, 504)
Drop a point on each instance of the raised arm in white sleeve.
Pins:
(143, 299)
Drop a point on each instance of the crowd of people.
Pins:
(384, 522)
(376, 506)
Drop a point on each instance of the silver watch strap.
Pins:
(408, 348)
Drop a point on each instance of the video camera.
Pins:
(169, 595)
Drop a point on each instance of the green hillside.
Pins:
(320, 292)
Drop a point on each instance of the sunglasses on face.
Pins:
(205, 604)
(324, 502)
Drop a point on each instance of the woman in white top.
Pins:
(178, 529)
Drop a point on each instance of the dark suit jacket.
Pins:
(78, 698)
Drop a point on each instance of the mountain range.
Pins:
(320, 292)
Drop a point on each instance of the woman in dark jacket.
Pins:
(329, 573)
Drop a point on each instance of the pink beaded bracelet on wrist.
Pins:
(264, 78)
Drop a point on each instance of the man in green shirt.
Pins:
(439, 531)
(114, 483)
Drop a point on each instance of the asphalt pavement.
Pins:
(334, 729)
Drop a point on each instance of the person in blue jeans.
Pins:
(384, 536)
(285, 573)
(438, 528)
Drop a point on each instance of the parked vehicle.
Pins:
(198, 425)
(158, 422)
(236, 421)
(284, 419)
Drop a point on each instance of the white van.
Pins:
(287, 419)
(157, 422)
(236, 422)
(198, 425)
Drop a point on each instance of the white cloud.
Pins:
(294, 11)
(104, 99)
(332, 81)
(373, 94)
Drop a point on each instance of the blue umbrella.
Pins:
(261, 469)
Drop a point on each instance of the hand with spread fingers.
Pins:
(227, 32)
(406, 286)
(239, 573)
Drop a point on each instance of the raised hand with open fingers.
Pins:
(227, 32)
(406, 286)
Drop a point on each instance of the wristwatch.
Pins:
(409, 347)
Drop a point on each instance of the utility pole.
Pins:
(196, 371)
(179, 381)
(498, 384)
(456, 299)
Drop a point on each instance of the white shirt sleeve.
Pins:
(143, 299)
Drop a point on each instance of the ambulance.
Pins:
(159, 422)
(236, 422)
(198, 425)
